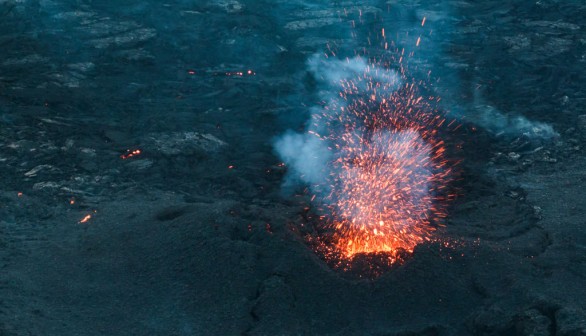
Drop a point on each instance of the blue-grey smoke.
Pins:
(429, 56)
(307, 156)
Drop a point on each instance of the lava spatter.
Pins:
(388, 179)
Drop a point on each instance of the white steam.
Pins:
(333, 72)
(500, 124)
(451, 87)
(309, 155)
(306, 155)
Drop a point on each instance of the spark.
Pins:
(235, 73)
(240, 73)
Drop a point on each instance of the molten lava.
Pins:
(384, 194)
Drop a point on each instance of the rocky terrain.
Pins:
(140, 193)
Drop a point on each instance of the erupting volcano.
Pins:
(373, 155)
(387, 181)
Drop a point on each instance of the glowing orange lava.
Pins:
(130, 153)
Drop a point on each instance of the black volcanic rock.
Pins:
(193, 233)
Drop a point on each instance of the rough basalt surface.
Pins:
(195, 236)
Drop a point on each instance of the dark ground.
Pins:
(180, 244)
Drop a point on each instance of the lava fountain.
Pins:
(387, 181)
(385, 175)
(388, 175)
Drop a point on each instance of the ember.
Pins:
(130, 153)
(85, 219)
(240, 73)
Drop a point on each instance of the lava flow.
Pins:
(389, 176)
